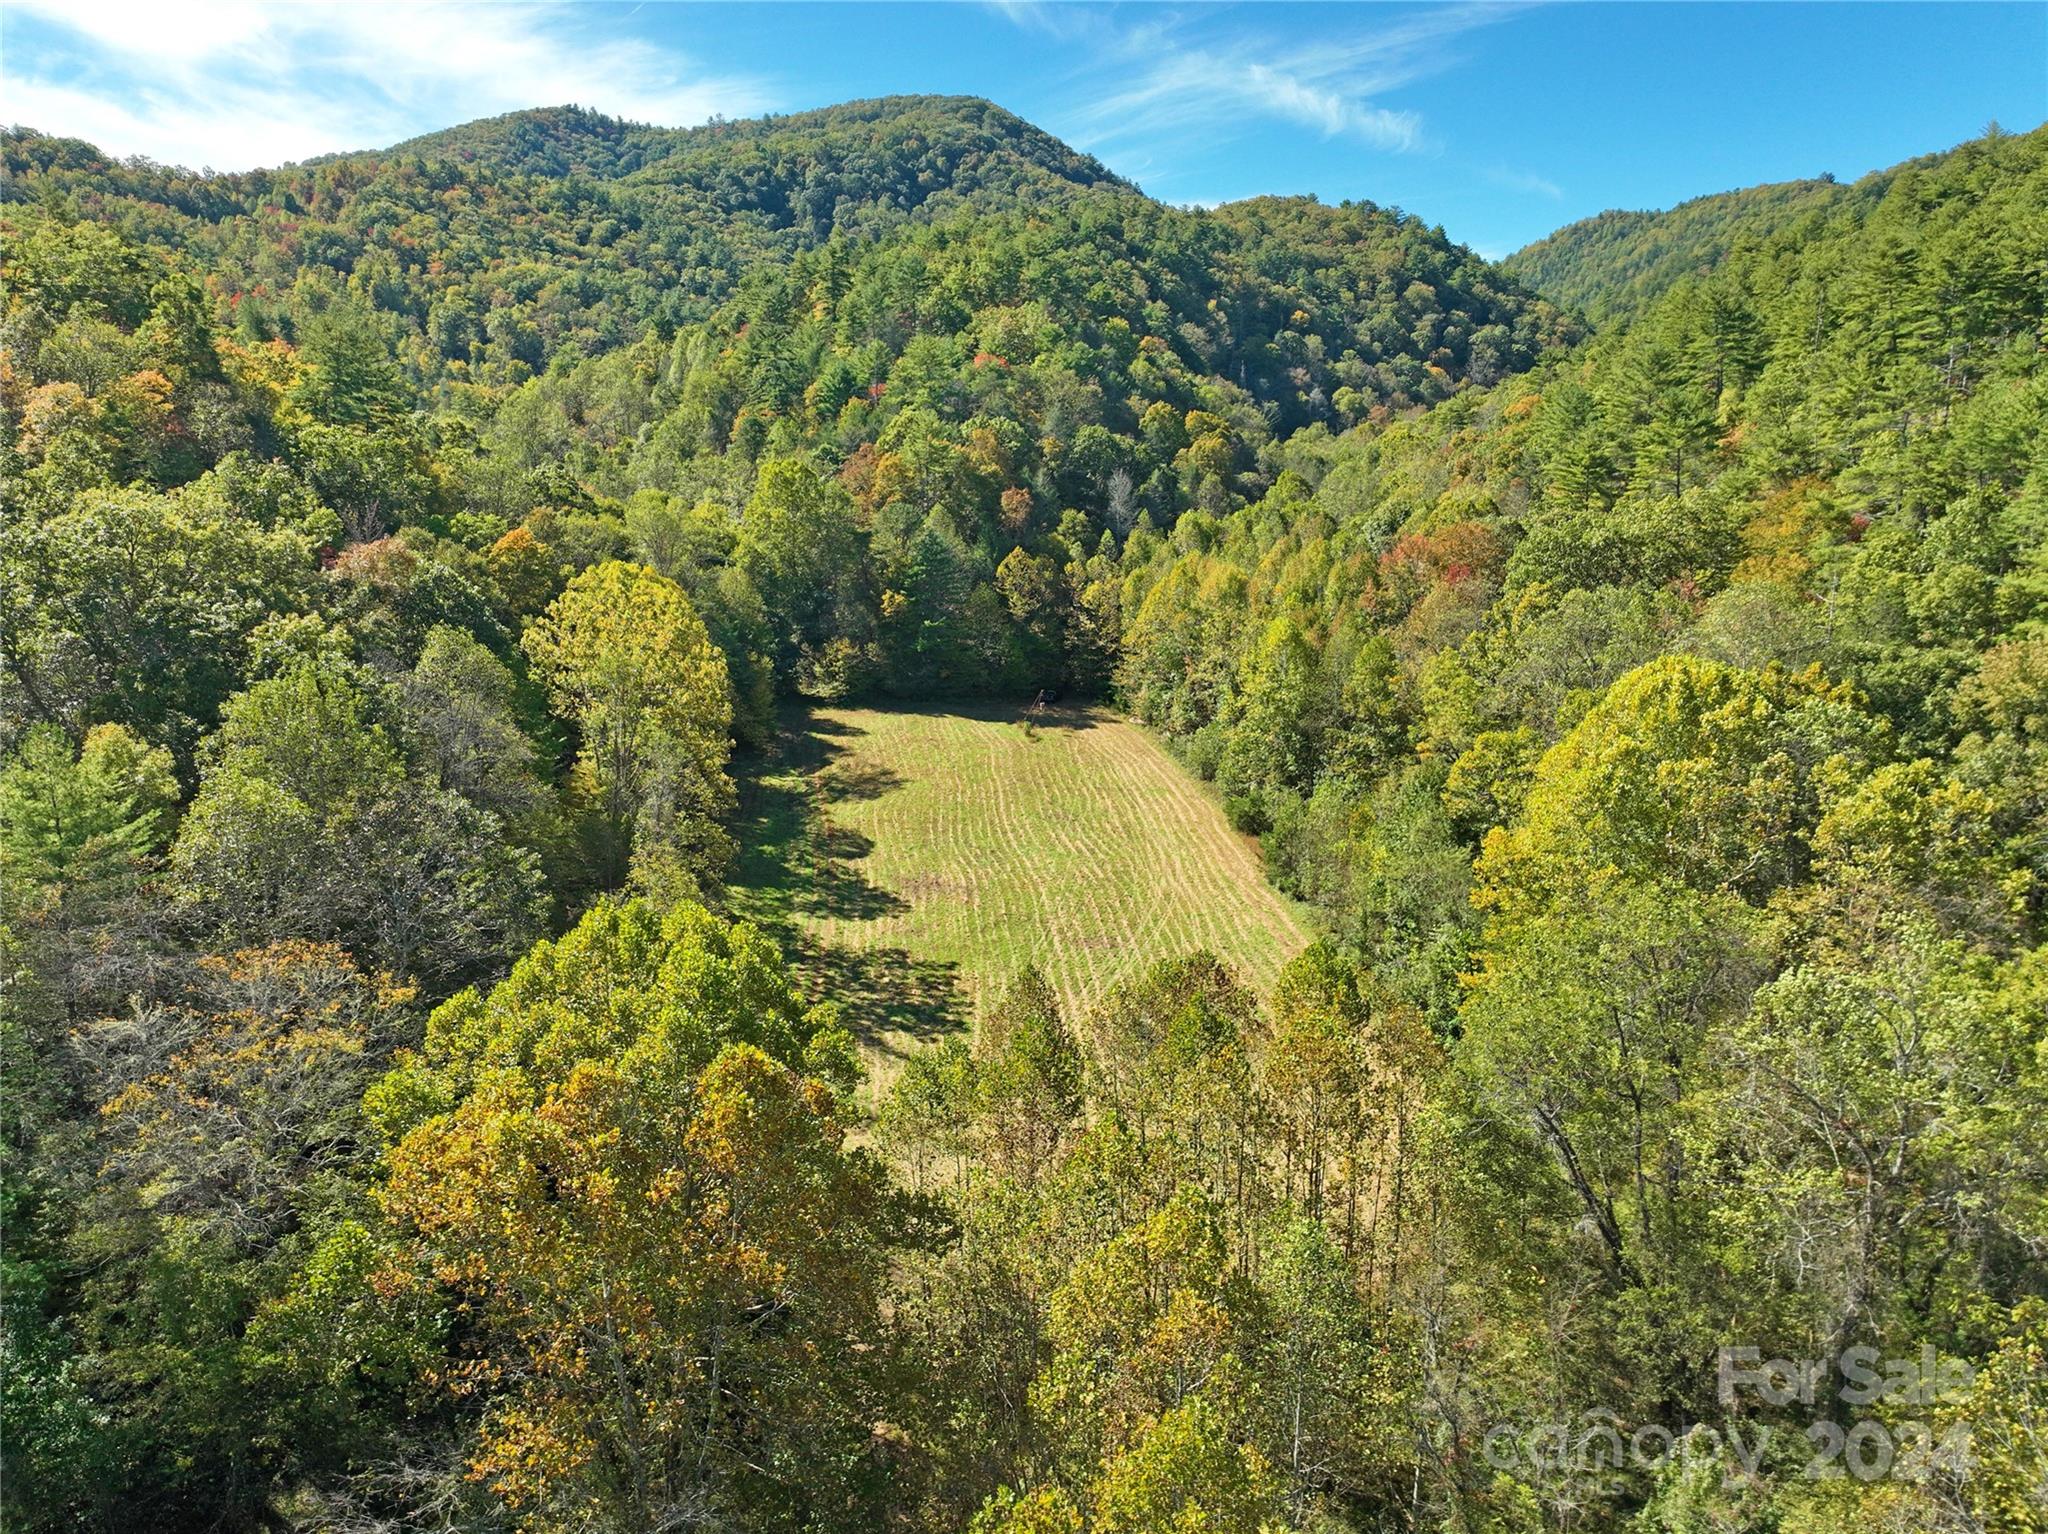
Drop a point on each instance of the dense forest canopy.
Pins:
(1613, 265)
(1634, 655)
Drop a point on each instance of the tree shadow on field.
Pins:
(793, 860)
(1055, 717)
(834, 887)
(886, 996)
(857, 779)
(1050, 716)
(797, 865)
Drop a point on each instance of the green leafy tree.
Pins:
(461, 706)
(1028, 1077)
(78, 832)
(625, 657)
(307, 824)
(619, 1163)
(1686, 768)
(233, 1148)
(193, 582)
(801, 547)
(347, 377)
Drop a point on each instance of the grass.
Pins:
(914, 860)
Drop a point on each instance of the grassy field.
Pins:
(915, 860)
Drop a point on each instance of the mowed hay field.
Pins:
(916, 860)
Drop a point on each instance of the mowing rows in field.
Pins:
(985, 842)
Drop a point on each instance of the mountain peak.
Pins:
(964, 131)
(544, 141)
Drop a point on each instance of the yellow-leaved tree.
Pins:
(624, 655)
(624, 1167)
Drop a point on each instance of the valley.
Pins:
(558, 982)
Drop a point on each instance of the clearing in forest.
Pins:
(914, 860)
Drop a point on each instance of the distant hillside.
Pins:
(1612, 265)
(542, 141)
(821, 250)
(899, 153)
(806, 169)
(1617, 264)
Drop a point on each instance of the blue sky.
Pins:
(1499, 122)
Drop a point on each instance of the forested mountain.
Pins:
(1615, 264)
(541, 141)
(1660, 725)
(492, 249)
(1784, 439)
(396, 549)
(455, 351)
(895, 151)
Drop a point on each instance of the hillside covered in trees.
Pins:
(1613, 265)
(1650, 706)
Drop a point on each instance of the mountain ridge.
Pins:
(641, 146)
(490, 248)
(1614, 264)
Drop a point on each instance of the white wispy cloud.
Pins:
(1172, 73)
(238, 85)
(1524, 181)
